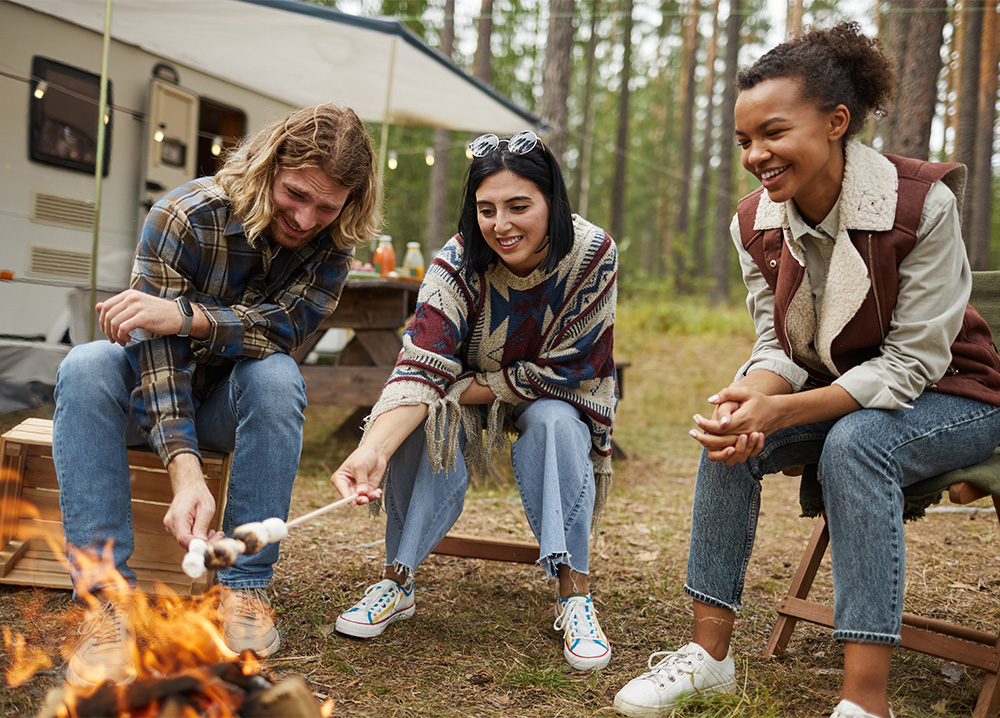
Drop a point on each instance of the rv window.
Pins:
(64, 108)
(220, 128)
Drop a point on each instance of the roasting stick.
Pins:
(247, 539)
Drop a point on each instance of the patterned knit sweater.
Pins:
(546, 335)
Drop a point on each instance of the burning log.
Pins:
(219, 690)
(247, 539)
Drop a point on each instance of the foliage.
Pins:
(651, 247)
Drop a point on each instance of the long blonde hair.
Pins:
(326, 136)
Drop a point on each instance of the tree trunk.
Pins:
(793, 22)
(687, 98)
(621, 145)
(922, 32)
(582, 173)
(724, 201)
(982, 191)
(968, 99)
(438, 211)
(701, 218)
(483, 67)
(556, 73)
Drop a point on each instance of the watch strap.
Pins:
(187, 314)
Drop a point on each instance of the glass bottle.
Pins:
(413, 261)
(385, 256)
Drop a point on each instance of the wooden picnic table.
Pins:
(376, 309)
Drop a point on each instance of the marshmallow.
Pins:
(276, 529)
(194, 559)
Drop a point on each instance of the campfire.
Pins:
(183, 668)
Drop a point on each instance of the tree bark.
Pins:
(483, 66)
(724, 201)
(918, 44)
(438, 212)
(582, 172)
(982, 190)
(556, 73)
(621, 145)
(701, 218)
(687, 97)
(970, 53)
(793, 22)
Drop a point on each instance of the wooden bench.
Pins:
(31, 536)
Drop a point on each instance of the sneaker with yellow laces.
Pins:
(247, 624)
(105, 650)
(585, 647)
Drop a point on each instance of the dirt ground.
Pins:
(482, 643)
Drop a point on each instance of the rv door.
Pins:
(171, 139)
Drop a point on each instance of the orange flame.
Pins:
(174, 637)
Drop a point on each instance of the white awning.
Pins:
(306, 54)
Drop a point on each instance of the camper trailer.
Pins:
(186, 80)
(165, 124)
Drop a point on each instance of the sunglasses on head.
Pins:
(520, 144)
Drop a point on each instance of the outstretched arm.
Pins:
(362, 471)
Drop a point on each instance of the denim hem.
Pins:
(709, 601)
(550, 564)
(882, 639)
(248, 583)
(404, 569)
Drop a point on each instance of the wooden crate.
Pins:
(27, 476)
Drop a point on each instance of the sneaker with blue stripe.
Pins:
(585, 646)
(384, 603)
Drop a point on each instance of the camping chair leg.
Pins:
(799, 588)
(989, 698)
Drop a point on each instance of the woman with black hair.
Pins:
(869, 361)
(512, 335)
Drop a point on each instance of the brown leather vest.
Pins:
(974, 370)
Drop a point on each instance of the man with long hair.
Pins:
(232, 273)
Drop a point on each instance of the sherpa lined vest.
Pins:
(974, 370)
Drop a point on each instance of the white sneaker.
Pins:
(585, 646)
(849, 709)
(676, 675)
(384, 603)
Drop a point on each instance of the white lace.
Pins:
(671, 665)
(579, 619)
(385, 592)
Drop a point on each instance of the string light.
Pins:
(40, 89)
(393, 160)
(429, 156)
(216, 146)
(158, 135)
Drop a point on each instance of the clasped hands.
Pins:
(740, 421)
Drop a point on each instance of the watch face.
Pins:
(185, 306)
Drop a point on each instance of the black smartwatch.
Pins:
(187, 314)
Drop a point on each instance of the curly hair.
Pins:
(326, 136)
(540, 167)
(838, 66)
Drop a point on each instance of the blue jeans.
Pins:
(555, 478)
(256, 414)
(865, 461)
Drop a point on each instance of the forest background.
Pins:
(637, 100)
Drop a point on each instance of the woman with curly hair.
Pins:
(869, 361)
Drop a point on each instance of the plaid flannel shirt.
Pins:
(258, 300)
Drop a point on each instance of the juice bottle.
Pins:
(413, 261)
(385, 256)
